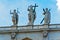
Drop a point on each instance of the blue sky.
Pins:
(22, 5)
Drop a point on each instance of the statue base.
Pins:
(30, 23)
(13, 27)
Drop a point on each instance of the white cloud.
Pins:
(58, 4)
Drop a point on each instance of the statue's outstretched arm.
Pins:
(11, 12)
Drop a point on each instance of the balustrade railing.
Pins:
(30, 27)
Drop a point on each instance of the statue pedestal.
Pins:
(14, 27)
(30, 23)
(13, 34)
(45, 26)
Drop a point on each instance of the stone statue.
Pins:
(32, 14)
(14, 17)
(47, 16)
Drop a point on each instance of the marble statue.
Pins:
(32, 14)
(47, 16)
(14, 17)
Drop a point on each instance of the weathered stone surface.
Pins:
(33, 33)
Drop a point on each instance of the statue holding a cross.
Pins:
(47, 16)
(32, 14)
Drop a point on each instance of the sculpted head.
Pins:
(14, 10)
(46, 9)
